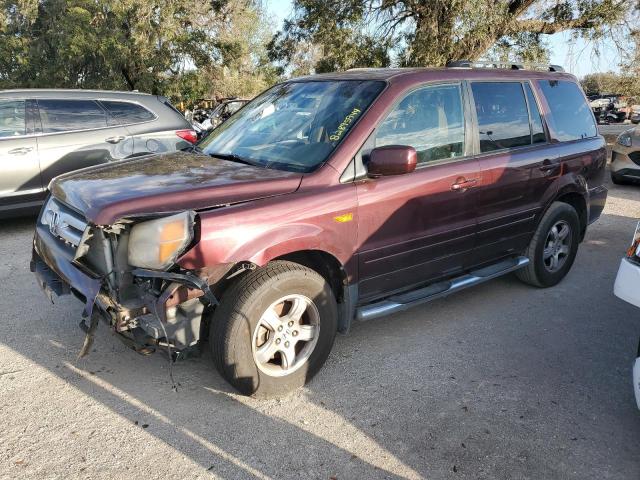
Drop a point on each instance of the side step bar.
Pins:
(404, 301)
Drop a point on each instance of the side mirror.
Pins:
(392, 160)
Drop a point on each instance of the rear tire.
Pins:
(257, 319)
(553, 247)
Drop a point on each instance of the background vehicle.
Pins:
(612, 114)
(603, 103)
(44, 133)
(627, 288)
(625, 157)
(209, 113)
(327, 199)
(225, 109)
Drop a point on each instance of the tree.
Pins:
(172, 47)
(432, 32)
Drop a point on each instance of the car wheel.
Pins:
(553, 247)
(274, 329)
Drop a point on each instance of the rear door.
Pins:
(156, 131)
(417, 227)
(511, 144)
(20, 183)
(577, 149)
(141, 124)
(76, 134)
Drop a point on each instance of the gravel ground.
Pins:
(502, 381)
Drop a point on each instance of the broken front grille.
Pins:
(63, 222)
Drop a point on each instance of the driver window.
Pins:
(431, 120)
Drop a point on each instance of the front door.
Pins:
(418, 227)
(20, 183)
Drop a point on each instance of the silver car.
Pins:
(625, 157)
(44, 133)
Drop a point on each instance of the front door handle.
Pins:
(20, 150)
(116, 139)
(548, 166)
(462, 184)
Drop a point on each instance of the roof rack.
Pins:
(507, 65)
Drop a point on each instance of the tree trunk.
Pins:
(127, 76)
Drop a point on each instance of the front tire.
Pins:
(553, 247)
(274, 329)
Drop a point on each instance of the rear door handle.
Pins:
(462, 184)
(116, 139)
(20, 150)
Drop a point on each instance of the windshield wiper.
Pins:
(236, 158)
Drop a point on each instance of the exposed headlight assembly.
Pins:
(625, 139)
(156, 244)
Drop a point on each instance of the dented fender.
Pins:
(270, 228)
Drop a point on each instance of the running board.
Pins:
(404, 301)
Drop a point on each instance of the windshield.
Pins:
(293, 126)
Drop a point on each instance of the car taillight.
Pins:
(634, 249)
(189, 135)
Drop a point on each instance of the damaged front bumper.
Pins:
(167, 311)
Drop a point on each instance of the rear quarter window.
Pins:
(125, 113)
(571, 117)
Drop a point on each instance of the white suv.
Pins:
(627, 287)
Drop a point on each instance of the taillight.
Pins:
(634, 249)
(189, 135)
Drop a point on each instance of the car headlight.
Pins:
(157, 243)
(624, 139)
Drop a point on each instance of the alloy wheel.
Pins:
(557, 246)
(286, 335)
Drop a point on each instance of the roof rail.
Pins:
(511, 66)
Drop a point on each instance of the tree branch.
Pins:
(518, 7)
(549, 28)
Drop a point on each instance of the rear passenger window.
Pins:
(70, 115)
(571, 117)
(430, 120)
(537, 130)
(124, 113)
(12, 118)
(503, 119)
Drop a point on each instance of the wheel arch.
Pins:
(579, 203)
(334, 272)
(324, 263)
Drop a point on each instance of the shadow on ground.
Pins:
(502, 381)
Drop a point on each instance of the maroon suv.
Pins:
(327, 199)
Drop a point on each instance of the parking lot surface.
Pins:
(614, 128)
(503, 381)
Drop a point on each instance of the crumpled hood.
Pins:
(166, 183)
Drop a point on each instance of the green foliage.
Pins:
(430, 33)
(189, 50)
(179, 48)
(617, 83)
